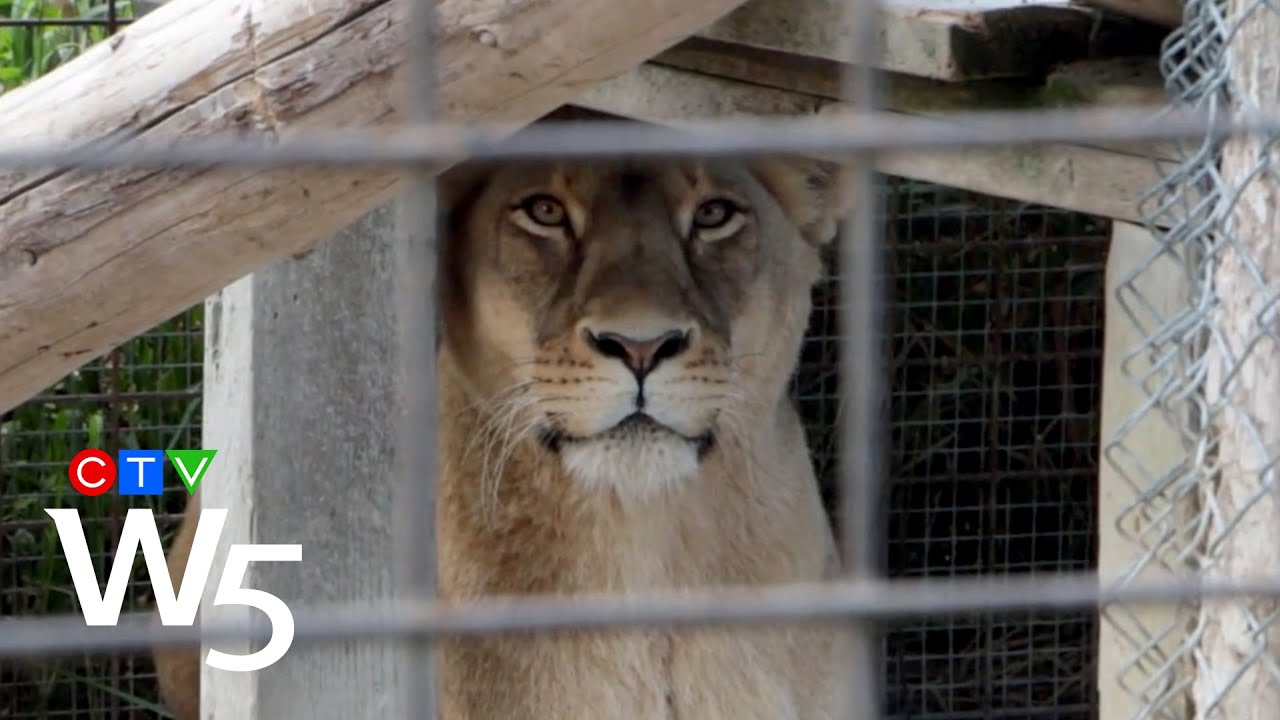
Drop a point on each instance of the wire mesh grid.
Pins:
(960, 265)
(144, 394)
(996, 330)
(994, 436)
(1196, 70)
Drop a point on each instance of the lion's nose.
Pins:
(641, 356)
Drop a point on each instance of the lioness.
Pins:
(617, 342)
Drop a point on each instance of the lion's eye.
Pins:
(713, 214)
(545, 210)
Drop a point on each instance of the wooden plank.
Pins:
(943, 39)
(1132, 675)
(1122, 81)
(1167, 13)
(91, 259)
(1083, 179)
(816, 76)
(1129, 82)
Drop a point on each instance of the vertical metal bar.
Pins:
(861, 381)
(415, 508)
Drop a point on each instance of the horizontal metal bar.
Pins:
(414, 144)
(879, 600)
(106, 397)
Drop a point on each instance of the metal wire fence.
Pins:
(1212, 358)
(145, 393)
(995, 318)
(1208, 506)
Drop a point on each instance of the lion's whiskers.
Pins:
(489, 410)
(481, 405)
(512, 438)
(498, 440)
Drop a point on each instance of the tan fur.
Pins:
(542, 491)
(178, 669)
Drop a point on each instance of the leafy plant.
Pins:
(143, 394)
(35, 37)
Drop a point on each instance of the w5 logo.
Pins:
(180, 609)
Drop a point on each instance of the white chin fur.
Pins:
(639, 467)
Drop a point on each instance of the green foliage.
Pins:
(28, 51)
(144, 394)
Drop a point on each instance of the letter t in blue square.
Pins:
(140, 472)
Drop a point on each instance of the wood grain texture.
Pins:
(933, 38)
(1167, 13)
(1127, 82)
(1135, 446)
(1237, 641)
(91, 259)
(1083, 179)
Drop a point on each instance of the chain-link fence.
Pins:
(993, 416)
(1208, 504)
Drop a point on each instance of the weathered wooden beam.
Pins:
(942, 39)
(1120, 81)
(1127, 81)
(1236, 641)
(1135, 450)
(1167, 13)
(1084, 179)
(91, 259)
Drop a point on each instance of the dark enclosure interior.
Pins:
(995, 345)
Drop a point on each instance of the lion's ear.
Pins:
(814, 194)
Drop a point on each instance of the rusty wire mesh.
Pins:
(1062, 384)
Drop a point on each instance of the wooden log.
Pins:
(1237, 641)
(91, 259)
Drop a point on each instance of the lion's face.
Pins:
(626, 315)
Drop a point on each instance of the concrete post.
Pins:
(300, 402)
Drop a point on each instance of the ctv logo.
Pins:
(93, 472)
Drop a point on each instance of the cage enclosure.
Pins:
(996, 311)
(1013, 279)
